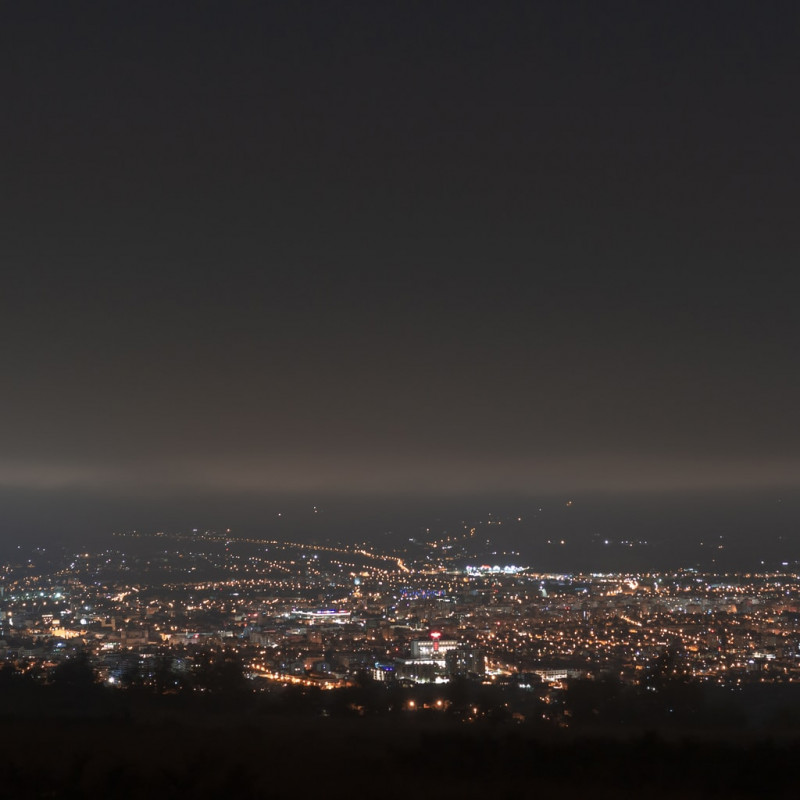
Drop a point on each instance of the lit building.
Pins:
(434, 648)
(464, 662)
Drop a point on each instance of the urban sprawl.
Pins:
(153, 609)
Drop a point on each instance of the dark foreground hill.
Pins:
(237, 755)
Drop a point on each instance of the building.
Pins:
(465, 662)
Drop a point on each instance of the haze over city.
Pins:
(306, 251)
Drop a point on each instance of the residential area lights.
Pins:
(325, 616)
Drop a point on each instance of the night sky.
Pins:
(395, 249)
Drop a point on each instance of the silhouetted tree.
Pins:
(74, 675)
(222, 673)
(458, 693)
(164, 678)
(131, 676)
(9, 676)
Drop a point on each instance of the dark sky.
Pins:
(399, 247)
